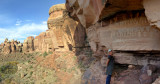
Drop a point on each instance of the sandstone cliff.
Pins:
(129, 27)
(66, 33)
(11, 46)
(63, 34)
(121, 25)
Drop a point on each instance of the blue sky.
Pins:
(22, 18)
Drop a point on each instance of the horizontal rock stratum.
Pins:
(129, 27)
(126, 25)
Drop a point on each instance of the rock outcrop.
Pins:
(129, 27)
(63, 34)
(152, 12)
(120, 25)
(10, 46)
(28, 45)
(66, 33)
(44, 42)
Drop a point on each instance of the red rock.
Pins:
(28, 45)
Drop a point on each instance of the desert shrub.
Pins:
(29, 61)
(29, 55)
(45, 54)
(7, 81)
(9, 68)
(31, 67)
(50, 52)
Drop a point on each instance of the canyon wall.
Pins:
(129, 27)
(63, 34)
(12, 46)
(66, 33)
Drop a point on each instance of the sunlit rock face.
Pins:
(66, 33)
(44, 42)
(12, 46)
(88, 12)
(131, 34)
(129, 27)
(28, 45)
(152, 11)
(121, 25)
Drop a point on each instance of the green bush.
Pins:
(50, 52)
(9, 68)
(45, 54)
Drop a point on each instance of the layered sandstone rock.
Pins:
(120, 25)
(157, 81)
(28, 45)
(152, 12)
(44, 42)
(65, 32)
(7, 47)
(88, 12)
(129, 27)
(10, 46)
(13, 45)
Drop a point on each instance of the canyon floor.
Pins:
(63, 68)
(38, 68)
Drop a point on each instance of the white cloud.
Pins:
(18, 22)
(44, 22)
(22, 32)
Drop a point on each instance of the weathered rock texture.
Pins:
(44, 42)
(152, 12)
(66, 33)
(157, 81)
(63, 34)
(28, 45)
(129, 27)
(120, 25)
(10, 46)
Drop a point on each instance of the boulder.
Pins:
(152, 12)
(94, 75)
(148, 74)
(157, 81)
